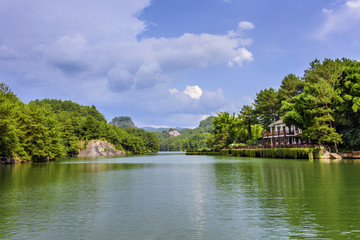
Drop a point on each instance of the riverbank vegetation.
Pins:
(290, 153)
(189, 139)
(46, 129)
(324, 103)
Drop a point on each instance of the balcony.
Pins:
(281, 133)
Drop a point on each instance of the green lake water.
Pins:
(174, 196)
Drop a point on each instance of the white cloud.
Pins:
(57, 49)
(173, 91)
(239, 58)
(194, 92)
(152, 59)
(339, 20)
(239, 32)
(192, 100)
(353, 4)
(244, 25)
(93, 46)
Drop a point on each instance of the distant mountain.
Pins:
(161, 129)
(206, 124)
(123, 122)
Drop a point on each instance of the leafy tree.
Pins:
(328, 70)
(9, 141)
(267, 106)
(247, 117)
(348, 104)
(313, 110)
(226, 129)
(291, 86)
(39, 134)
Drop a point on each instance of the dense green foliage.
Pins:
(231, 129)
(140, 141)
(45, 129)
(291, 153)
(190, 139)
(27, 132)
(327, 108)
(123, 122)
(324, 103)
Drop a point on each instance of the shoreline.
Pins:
(288, 153)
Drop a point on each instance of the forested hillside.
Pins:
(46, 129)
(190, 139)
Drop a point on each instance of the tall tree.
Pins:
(9, 141)
(267, 106)
(247, 117)
(226, 128)
(348, 104)
(291, 86)
(313, 110)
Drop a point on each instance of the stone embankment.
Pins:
(98, 148)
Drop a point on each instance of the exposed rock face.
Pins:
(98, 148)
(328, 155)
(174, 133)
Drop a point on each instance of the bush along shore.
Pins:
(289, 153)
(202, 152)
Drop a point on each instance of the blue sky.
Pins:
(167, 63)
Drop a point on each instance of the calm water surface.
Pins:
(173, 196)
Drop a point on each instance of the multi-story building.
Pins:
(281, 135)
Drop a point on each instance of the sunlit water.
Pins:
(173, 196)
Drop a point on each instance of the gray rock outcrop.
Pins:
(99, 148)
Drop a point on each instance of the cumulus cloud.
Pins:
(93, 45)
(194, 92)
(193, 100)
(342, 19)
(244, 25)
(96, 52)
(152, 59)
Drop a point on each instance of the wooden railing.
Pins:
(281, 146)
(277, 133)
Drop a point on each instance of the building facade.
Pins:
(281, 135)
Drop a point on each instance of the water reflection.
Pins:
(297, 199)
(32, 195)
(180, 197)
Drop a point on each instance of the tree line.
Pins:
(190, 139)
(49, 128)
(324, 103)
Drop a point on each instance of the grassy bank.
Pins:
(292, 153)
(202, 153)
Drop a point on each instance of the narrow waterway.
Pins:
(174, 196)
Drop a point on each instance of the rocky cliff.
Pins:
(98, 148)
